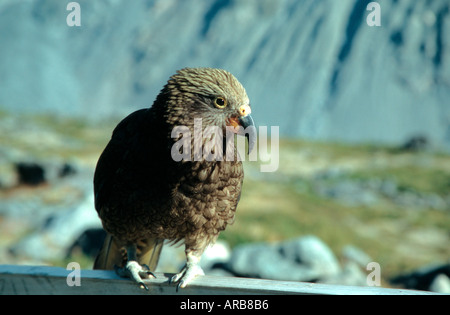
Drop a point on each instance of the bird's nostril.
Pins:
(244, 110)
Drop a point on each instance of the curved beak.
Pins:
(244, 125)
(249, 131)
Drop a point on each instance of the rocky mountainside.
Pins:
(314, 68)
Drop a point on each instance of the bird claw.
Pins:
(135, 272)
(186, 275)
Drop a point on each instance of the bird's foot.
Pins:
(186, 275)
(135, 272)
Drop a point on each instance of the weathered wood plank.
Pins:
(53, 280)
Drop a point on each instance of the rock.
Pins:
(435, 201)
(441, 284)
(172, 259)
(59, 232)
(389, 188)
(33, 172)
(89, 243)
(369, 192)
(354, 271)
(302, 259)
(217, 254)
(422, 278)
(417, 143)
(347, 191)
(415, 200)
(67, 170)
(265, 261)
(30, 173)
(351, 274)
(356, 255)
(311, 252)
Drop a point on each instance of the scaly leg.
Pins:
(132, 268)
(190, 271)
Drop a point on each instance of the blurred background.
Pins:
(363, 112)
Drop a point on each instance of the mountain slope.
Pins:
(314, 68)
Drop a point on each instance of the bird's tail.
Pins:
(112, 254)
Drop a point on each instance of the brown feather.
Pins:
(144, 197)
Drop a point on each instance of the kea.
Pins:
(145, 195)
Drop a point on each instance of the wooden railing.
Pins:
(56, 280)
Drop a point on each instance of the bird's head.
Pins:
(215, 96)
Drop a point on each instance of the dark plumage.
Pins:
(144, 197)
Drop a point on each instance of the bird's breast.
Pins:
(207, 196)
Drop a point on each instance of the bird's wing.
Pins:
(113, 159)
(114, 155)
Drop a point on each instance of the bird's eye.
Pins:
(220, 102)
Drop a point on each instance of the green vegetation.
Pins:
(44, 136)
